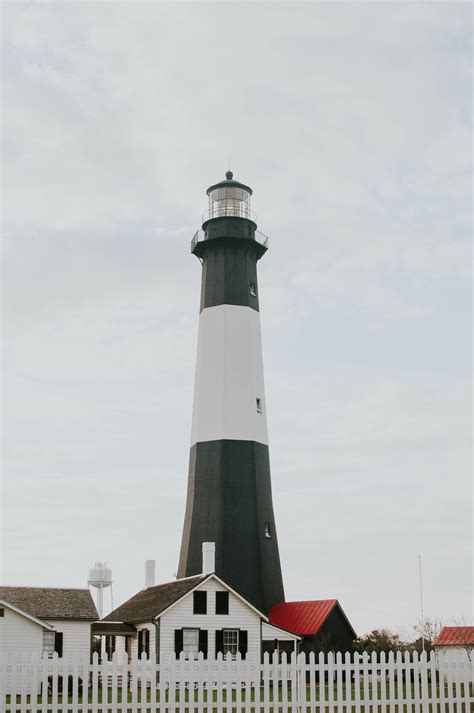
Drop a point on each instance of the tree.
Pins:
(379, 640)
(427, 633)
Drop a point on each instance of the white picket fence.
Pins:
(330, 683)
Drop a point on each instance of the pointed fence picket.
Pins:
(352, 683)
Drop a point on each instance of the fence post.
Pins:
(301, 681)
(425, 706)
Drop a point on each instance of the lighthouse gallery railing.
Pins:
(199, 237)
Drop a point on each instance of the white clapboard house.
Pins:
(38, 620)
(190, 615)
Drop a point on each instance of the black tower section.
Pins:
(229, 499)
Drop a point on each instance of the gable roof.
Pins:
(25, 614)
(304, 618)
(150, 602)
(275, 630)
(113, 627)
(455, 636)
(52, 602)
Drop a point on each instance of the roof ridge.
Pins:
(37, 586)
(173, 581)
(305, 601)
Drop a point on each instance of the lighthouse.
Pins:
(229, 498)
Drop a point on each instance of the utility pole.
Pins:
(421, 606)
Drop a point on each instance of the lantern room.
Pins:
(229, 198)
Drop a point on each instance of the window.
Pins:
(230, 641)
(253, 289)
(58, 643)
(143, 642)
(2, 611)
(222, 602)
(267, 531)
(191, 643)
(48, 643)
(199, 602)
(109, 646)
(259, 405)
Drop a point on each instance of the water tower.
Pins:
(100, 577)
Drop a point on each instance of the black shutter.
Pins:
(222, 602)
(243, 643)
(109, 646)
(140, 642)
(147, 642)
(58, 643)
(203, 641)
(219, 641)
(178, 641)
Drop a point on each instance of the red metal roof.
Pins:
(455, 636)
(303, 618)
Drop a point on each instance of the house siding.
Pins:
(76, 637)
(269, 633)
(19, 635)
(449, 656)
(181, 616)
(134, 643)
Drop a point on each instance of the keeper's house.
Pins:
(190, 615)
(38, 620)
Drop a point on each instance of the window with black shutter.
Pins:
(222, 602)
(143, 642)
(199, 602)
(178, 641)
(58, 643)
(203, 642)
(109, 646)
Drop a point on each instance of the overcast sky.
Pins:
(352, 124)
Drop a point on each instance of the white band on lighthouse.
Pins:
(229, 397)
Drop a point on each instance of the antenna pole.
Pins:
(421, 606)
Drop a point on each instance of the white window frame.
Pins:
(191, 649)
(230, 642)
(48, 643)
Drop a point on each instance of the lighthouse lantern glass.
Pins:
(229, 200)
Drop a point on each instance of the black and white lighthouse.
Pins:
(229, 498)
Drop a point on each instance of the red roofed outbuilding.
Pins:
(455, 636)
(454, 646)
(322, 623)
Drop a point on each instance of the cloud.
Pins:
(352, 123)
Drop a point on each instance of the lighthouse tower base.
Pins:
(229, 502)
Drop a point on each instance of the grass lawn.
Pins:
(216, 702)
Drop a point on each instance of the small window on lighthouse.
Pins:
(267, 530)
(259, 405)
(253, 289)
